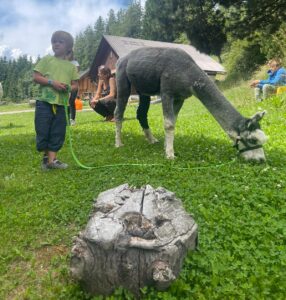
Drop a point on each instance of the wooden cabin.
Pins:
(86, 87)
(111, 48)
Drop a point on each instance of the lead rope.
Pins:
(129, 164)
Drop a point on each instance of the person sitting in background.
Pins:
(104, 101)
(276, 77)
(73, 94)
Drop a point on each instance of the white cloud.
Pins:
(27, 26)
(9, 53)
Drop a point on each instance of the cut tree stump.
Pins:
(134, 238)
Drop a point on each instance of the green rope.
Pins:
(131, 164)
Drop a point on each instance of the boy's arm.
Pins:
(74, 85)
(42, 80)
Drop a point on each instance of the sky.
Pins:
(26, 26)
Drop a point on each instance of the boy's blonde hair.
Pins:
(67, 37)
(276, 61)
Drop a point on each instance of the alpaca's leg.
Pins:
(169, 124)
(177, 107)
(123, 93)
(118, 114)
(142, 117)
(118, 142)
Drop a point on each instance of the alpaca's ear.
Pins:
(255, 118)
(258, 116)
(232, 135)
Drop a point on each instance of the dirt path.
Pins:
(31, 110)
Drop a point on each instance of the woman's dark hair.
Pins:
(104, 70)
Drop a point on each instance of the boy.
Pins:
(57, 77)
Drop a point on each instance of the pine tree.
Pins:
(111, 23)
(159, 20)
(246, 18)
(204, 23)
(132, 22)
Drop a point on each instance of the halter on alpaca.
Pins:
(174, 75)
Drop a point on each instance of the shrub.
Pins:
(274, 45)
(241, 59)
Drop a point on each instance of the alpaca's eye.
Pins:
(252, 141)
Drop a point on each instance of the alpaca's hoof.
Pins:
(170, 156)
(153, 141)
(118, 145)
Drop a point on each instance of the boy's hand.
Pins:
(59, 86)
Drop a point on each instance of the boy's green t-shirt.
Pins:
(57, 69)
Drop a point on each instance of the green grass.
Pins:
(15, 107)
(239, 207)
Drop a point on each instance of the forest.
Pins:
(242, 35)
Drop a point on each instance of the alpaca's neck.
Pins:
(222, 110)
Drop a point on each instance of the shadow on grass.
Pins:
(11, 126)
(89, 122)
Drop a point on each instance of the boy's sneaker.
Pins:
(44, 163)
(56, 164)
(72, 122)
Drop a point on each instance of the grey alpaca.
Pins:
(173, 74)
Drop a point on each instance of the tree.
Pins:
(16, 78)
(127, 22)
(133, 20)
(99, 28)
(89, 47)
(204, 23)
(79, 46)
(245, 18)
(159, 20)
(111, 23)
(201, 20)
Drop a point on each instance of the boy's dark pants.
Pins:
(50, 126)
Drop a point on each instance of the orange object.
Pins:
(78, 104)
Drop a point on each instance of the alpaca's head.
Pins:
(250, 138)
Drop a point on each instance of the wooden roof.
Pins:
(123, 45)
(84, 73)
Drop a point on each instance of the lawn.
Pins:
(239, 207)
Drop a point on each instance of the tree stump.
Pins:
(134, 238)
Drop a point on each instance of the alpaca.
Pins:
(174, 75)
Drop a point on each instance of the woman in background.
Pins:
(104, 101)
(73, 95)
